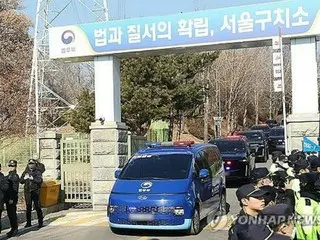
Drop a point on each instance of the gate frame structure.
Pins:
(76, 175)
(75, 147)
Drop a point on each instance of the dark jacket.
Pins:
(13, 180)
(239, 229)
(3, 188)
(31, 185)
(286, 197)
(277, 236)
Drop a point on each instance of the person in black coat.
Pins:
(32, 180)
(11, 197)
(3, 188)
(251, 199)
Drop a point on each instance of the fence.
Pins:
(17, 148)
(135, 143)
(76, 166)
(158, 135)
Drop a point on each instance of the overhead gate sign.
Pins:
(209, 28)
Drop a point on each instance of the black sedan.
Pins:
(258, 144)
(264, 127)
(276, 140)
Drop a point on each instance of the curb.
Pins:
(22, 214)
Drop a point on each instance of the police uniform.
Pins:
(239, 228)
(32, 180)
(271, 218)
(308, 206)
(3, 188)
(11, 198)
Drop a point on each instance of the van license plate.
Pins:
(141, 217)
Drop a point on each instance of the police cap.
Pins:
(314, 162)
(259, 173)
(277, 214)
(272, 194)
(12, 163)
(32, 161)
(249, 190)
(301, 164)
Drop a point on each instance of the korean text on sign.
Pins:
(153, 31)
(247, 22)
(105, 36)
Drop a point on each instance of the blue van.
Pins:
(168, 186)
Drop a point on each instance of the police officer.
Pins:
(301, 166)
(32, 180)
(271, 197)
(280, 219)
(11, 197)
(314, 163)
(307, 205)
(278, 224)
(260, 177)
(251, 199)
(3, 188)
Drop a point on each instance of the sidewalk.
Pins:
(22, 215)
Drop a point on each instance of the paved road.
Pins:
(83, 225)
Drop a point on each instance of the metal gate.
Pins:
(76, 168)
(76, 178)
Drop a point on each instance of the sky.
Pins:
(119, 9)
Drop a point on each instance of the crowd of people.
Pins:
(282, 202)
(31, 178)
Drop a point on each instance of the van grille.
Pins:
(156, 222)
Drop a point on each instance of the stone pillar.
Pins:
(109, 147)
(304, 120)
(109, 150)
(50, 154)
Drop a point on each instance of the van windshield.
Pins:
(252, 135)
(226, 146)
(157, 167)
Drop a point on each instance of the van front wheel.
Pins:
(195, 223)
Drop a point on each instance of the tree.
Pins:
(15, 56)
(84, 114)
(162, 87)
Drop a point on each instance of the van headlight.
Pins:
(178, 211)
(244, 160)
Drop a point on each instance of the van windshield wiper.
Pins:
(128, 178)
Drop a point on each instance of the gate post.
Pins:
(109, 146)
(109, 150)
(305, 118)
(50, 154)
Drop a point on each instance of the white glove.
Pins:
(273, 168)
(290, 172)
(26, 176)
(285, 165)
(31, 178)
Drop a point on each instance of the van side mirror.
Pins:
(204, 173)
(117, 173)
